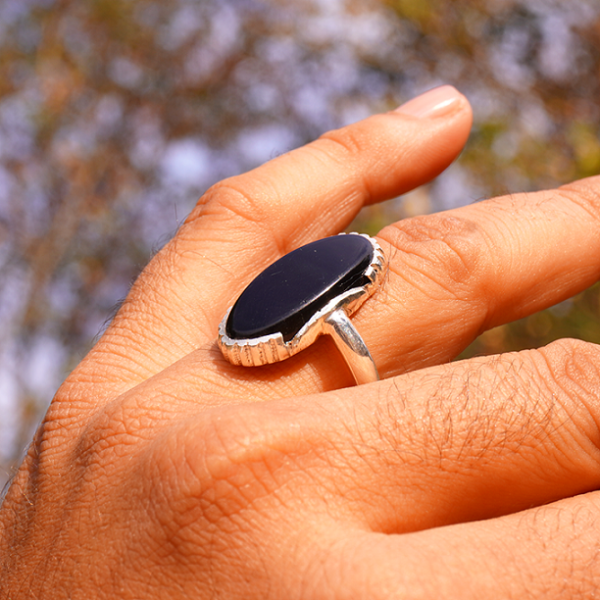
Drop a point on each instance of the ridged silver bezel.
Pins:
(268, 349)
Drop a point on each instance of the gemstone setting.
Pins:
(284, 309)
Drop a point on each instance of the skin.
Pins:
(162, 471)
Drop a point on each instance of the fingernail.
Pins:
(439, 102)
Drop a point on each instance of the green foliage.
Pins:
(424, 13)
(574, 318)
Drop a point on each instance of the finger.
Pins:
(464, 271)
(456, 443)
(246, 222)
(460, 442)
(451, 276)
(549, 552)
(453, 443)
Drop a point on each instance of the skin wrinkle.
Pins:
(104, 438)
(284, 240)
(229, 274)
(422, 288)
(453, 270)
(117, 345)
(584, 374)
(343, 458)
(502, 377)
(393, 422)
(165, 510)
(227, 196)
(244, 388)
(478, 428)
(159, 297)
(585, 397)
(438, 410)
(343, 212)
(49, 562)
(327, 444)
(347, 146)
(229, 517)
(365, 450)
(169, 549)
(583, 196)
(109, 354)
(187, 537)
(228, 241)
(569, 353)
(462, 404)
(269, 244)
(247, 208)
(149, 394)
(235, 468)
(350, 152)
(454, 233)
(495, 265)
(425, 288)
(547, 376)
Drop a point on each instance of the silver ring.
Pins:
(308, 292)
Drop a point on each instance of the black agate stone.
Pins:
(288, 293)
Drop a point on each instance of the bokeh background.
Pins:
(115, 116)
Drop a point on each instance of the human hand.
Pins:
(163, 471)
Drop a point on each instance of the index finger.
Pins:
(246, 222)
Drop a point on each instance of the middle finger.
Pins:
(453, 443)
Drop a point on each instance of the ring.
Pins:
(308, 292)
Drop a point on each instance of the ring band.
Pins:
(308, 292)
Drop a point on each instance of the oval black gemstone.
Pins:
(289, 292)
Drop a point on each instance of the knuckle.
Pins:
(222, 465)
(228, 197)
(109, 439)
(574, 367)
(240, 206)
(62, 421)
(341, 144)
(447, 250)
(585, 193)
(217, 485)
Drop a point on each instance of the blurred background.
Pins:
(116, 115)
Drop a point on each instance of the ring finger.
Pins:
(451, 276)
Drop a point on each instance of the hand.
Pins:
(162, 471)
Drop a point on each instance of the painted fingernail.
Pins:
(438, 102)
